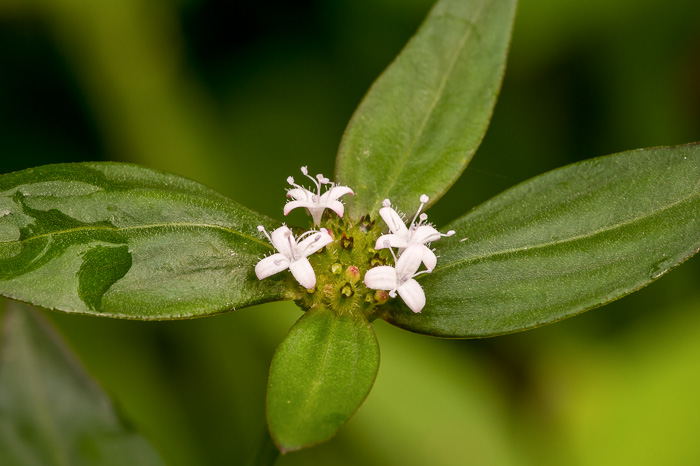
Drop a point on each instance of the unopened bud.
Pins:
(352, 273)
(381, 296)
(336, 268)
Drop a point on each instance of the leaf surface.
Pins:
(51, 412)
(564, 242)
(320, 375)
(125, 241)
(424, 117)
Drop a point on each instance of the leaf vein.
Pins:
(138, 227)
(565, 240)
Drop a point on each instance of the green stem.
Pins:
(266, 453)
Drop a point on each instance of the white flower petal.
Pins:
(303, 272)
(393, 221)
(335, 193)
(337, 207)
(409, 261)
(413, 295)
(291, 205)
(282, 240)
(299, 194)
(313, 243)
(381, 278)
(271, 265)
(395, 241)
(425, 234)
(429, 258)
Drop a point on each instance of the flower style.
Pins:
(293, 253)
(401, 278)
(316, 202)
(402, 237)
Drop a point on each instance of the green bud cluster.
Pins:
(341, 266)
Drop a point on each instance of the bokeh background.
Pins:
(239, 94)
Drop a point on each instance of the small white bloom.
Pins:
(402, 237)
(293, 253)
(316, 202)
(401, 278)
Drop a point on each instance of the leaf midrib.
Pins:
(138, 227)
(313, 391)
(438, 96)
(564, 240)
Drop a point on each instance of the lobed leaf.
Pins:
(562, 243)
(320, 375)
(51, 411)
(423, 119)
(125, 241)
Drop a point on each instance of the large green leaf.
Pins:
(51, 412)
(320, 374)
(561, 243)
(424, 117)
(125, 241)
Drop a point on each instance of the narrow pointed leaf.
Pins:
(423, 119)
(125, 241)
(320, 375)
(562, 243)
(51, 412)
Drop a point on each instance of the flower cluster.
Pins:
(356, 243)
(293, 252)
(412, 243)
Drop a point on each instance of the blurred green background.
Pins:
(239, 94)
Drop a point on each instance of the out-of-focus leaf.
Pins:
(424, 117)
(562, 243)
(125, 241)
(51, 412)
(320, 375)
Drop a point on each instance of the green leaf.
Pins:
(125, 241)
(320, 375)
(51, 411)
(423, 119)
(562, 243)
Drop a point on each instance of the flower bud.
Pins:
(381, 296)
(352, 273)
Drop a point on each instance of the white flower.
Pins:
(316, 202)
(293, 253)
(402, 237)
(401, 278)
